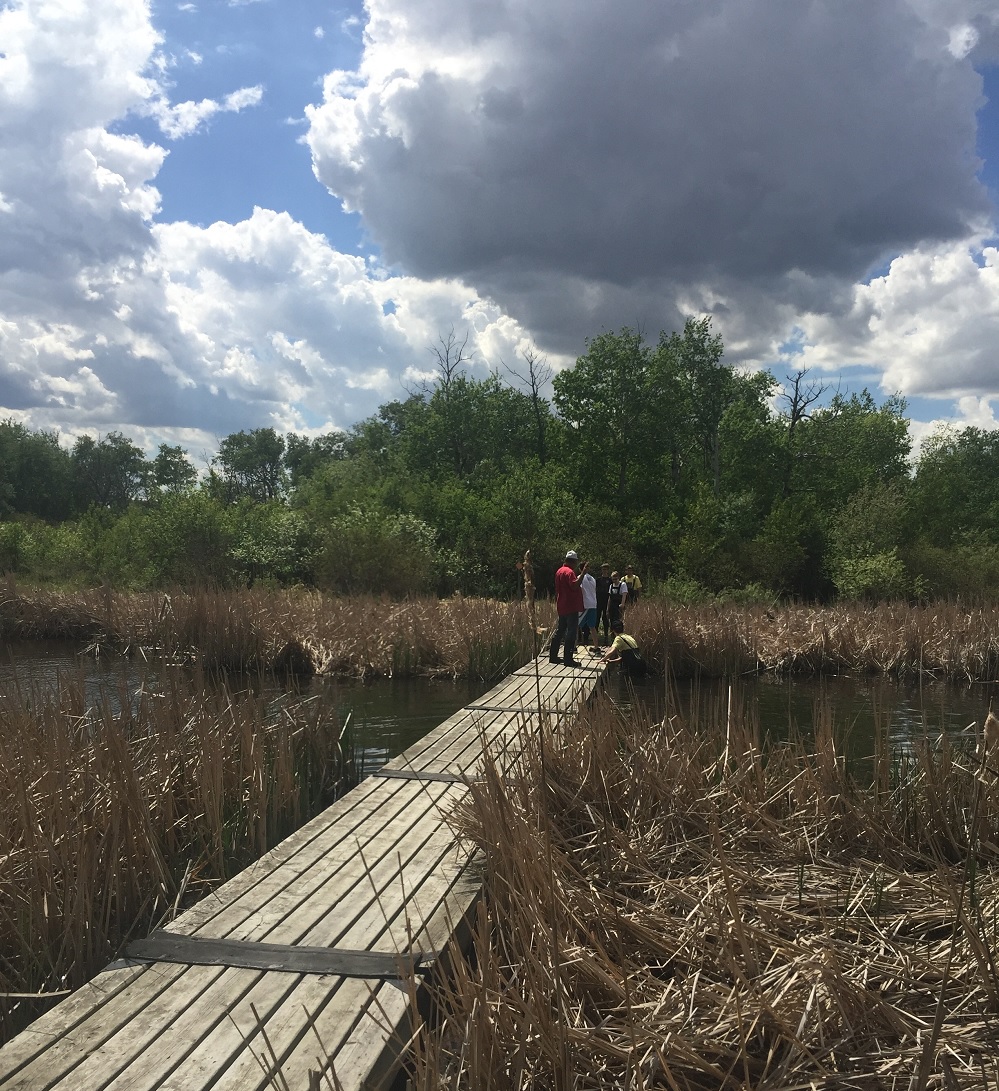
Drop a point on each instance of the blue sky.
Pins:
(255, 157)
(175, 262)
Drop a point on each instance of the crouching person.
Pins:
(624, 650)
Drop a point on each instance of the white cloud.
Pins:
(587, 165)
(184, 118)
(930, 325)
(108, 320)
(533, 172)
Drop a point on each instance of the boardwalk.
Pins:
(294, 966)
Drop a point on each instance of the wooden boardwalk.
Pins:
(293, 967)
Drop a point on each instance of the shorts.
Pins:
(588, 618)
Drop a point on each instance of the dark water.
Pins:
(863, 708)
(384, 717)
(388, 715)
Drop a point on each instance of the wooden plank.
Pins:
(156, 1049)
(60, 1023)
(104, 1023)
(85, 1057)
(276, 957)
(318, 862)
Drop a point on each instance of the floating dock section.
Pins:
(292, 975)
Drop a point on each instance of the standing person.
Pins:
(634, 585)
(588, 618)
(603, 591)
(617, 598)
(568, 605)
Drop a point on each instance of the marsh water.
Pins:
(388, 715)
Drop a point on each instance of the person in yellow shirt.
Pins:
(624, 650)
(634, 585)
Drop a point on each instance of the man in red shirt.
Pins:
(568, 605)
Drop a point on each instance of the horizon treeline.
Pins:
(709, 480)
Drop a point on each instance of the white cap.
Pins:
(572, 555)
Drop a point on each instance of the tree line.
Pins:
(708, 479)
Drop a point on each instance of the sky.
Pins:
(218, 215)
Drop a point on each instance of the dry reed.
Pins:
(366, 636)
(296, 631)
(942, 640)
(671, 906)
(116, 813)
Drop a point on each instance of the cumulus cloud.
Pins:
(584, 164)
(531, 173)
(169, 331)
(929, 326)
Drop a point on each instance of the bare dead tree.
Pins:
(800, 396)
(452, 355)
(538, 376)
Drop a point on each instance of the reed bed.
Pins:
(118, 812)
(674, 905)
(942, 640)
(367, 636)
(295, 631)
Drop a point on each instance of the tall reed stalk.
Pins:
(362, 636)
(296, 631)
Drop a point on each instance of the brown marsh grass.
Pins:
(667, 905)
(298, 631)
(116, 814)
(943, 640)
(368, 635)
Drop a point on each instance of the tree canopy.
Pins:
(706, 477)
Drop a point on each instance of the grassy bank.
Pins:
(668, 906)
(116, 814)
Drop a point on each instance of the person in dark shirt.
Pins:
(616, 599)
(603, 591)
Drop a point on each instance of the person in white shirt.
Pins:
(588, 616)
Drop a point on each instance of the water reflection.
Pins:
(864, 708)
(386, 716)
(389, 715)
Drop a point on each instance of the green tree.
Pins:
(108, 473)
(706, 387)
(956, 486)
(172, 471)
(249, 465)
(35, 473)
(304, 456)
(608, 404)
(851, 443)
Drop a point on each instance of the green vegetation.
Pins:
(708, 479)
